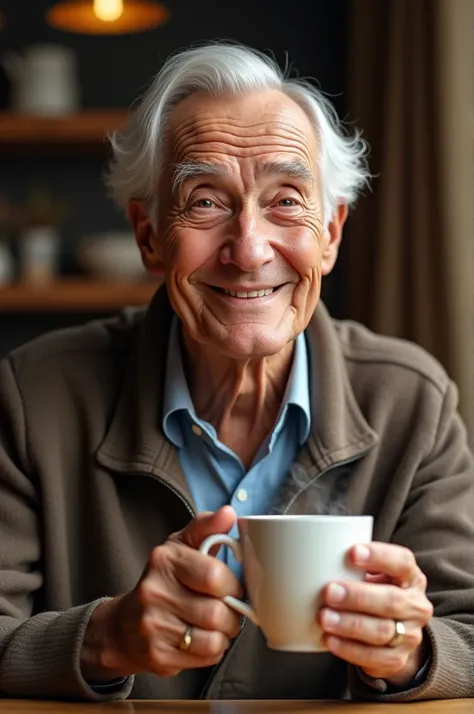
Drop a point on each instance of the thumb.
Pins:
(206, 524)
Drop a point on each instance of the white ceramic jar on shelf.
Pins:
(45, 80)
(39, 254)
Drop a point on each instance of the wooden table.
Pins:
(451, 706)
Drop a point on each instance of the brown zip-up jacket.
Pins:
(89, 485)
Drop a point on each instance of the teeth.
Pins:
(251, 294)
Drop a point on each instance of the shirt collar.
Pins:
(177, 396)
(297, 388)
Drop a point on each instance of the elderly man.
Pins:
(124, 443)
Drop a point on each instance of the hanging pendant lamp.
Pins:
(107, 17)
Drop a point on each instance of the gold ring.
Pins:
(399, 635)
(185, 643)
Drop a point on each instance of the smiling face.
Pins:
(240, 234)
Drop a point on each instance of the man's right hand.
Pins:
(142, 630)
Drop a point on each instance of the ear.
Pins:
(147, 240)
(332, 238)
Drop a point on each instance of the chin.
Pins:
(244, 344)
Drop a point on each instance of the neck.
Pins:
(241, 399)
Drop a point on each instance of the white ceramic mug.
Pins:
(287, 561)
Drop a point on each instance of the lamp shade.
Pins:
(106, 17)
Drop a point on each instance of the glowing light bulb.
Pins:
(108, 10)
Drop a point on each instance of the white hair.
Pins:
(229, 68)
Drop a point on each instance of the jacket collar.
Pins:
(135, 441)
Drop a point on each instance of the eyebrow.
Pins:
(293, 168)
(186, 170)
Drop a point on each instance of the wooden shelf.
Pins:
(74, 295)
(86, 130)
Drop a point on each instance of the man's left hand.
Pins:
(358, 618)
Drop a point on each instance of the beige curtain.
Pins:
(409, 246)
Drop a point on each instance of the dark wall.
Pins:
(114, 70)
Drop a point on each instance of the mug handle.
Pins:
(222, 539)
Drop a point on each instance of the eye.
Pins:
(204, 203)
(287, 202)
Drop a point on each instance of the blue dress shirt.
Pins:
(215, 474)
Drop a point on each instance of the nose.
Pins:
(249, 247)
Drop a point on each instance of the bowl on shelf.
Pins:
(111, 256)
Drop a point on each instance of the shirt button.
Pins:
(197, 429)
(242, 495)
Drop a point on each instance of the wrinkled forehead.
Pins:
(243, 127)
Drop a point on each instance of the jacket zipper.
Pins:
(193, 513)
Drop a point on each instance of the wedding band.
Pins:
(399, 636)
(185, 643)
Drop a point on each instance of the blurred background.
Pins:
(401, 70)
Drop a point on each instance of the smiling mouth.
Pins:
(242, 294)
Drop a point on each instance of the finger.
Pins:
(206, 524)
(376, 631)
(386, 601)
(378, 578)
(386, 558)
(206, 649)
(381, 662)
(165, 635)
(204, 643)
(208, 614)
(205, 574)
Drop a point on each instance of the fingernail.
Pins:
(336, 592)
(331, 617)
(362, 553)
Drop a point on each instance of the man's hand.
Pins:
(142, 630)
(358, 618)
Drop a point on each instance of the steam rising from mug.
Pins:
(323, 496)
